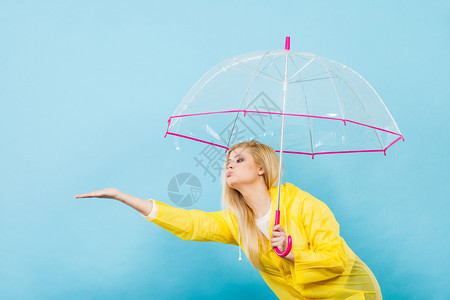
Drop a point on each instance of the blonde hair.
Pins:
(265, 157)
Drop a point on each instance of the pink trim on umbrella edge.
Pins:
(293, 152)
(276, 113)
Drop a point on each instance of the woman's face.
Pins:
(241, 168)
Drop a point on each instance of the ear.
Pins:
(260, 171)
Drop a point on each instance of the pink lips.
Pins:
(229, 174)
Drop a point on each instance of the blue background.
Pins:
(86, 88)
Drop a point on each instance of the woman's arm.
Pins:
(141, 205)
(195, 225)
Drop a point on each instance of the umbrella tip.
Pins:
(287, 45)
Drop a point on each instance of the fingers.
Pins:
(82, 196)
(278, 231)
(279, 243)
(89, 195)
(278, 238)
(278, 235)
(278, 228)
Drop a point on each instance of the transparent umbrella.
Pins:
(298, 103)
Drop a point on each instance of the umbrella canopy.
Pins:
(296, 102)
(328, 107)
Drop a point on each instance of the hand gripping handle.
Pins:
(289, 246)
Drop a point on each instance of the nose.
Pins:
(230, 165)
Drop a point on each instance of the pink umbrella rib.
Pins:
(198, 140)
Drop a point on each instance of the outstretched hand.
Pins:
(110, 193)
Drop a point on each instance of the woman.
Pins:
(320, 265)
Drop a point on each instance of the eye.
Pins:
(240, 160)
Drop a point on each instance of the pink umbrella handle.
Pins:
(289, 246)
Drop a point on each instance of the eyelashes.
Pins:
(239, 160)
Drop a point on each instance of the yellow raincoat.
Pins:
(324, 268)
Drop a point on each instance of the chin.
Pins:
(231, 183)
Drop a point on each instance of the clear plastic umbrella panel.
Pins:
(296, 102)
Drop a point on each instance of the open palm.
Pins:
(110, 193)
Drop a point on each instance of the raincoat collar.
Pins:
(273, 194)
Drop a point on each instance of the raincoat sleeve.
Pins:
(324, 255)
(194, 225)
